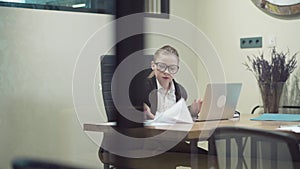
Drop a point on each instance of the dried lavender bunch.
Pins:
(277, 70)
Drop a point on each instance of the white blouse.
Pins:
(165, 99)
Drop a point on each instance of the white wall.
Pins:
(38, 51)
(225, 22)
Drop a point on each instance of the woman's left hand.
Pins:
(196, 107)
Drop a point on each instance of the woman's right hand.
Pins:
(148, 113)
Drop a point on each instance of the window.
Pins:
(152, 7)
(157, 8)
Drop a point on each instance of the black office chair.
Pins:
(281, 107)
(253, 148)
(108, 66)
(28, 163)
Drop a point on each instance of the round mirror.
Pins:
(279, 7)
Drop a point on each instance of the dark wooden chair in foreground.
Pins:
(239, 148)
(30, 163)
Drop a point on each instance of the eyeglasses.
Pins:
(162, 67)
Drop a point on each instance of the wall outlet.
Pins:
(253, 42)
(272, 41)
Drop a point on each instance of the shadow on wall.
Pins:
(291, 94)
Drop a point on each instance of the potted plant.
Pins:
(271, 76)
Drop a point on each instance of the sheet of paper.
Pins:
(178, 113)
(293, 128)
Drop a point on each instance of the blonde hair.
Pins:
(165, 50)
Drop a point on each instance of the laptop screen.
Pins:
(219, 102)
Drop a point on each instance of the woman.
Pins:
(155, 90)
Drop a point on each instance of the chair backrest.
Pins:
(254, 148)
(108, 67)
(26, 163)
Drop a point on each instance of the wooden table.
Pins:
(199, 129)
(195, 132)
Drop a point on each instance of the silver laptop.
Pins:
(219, 102)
